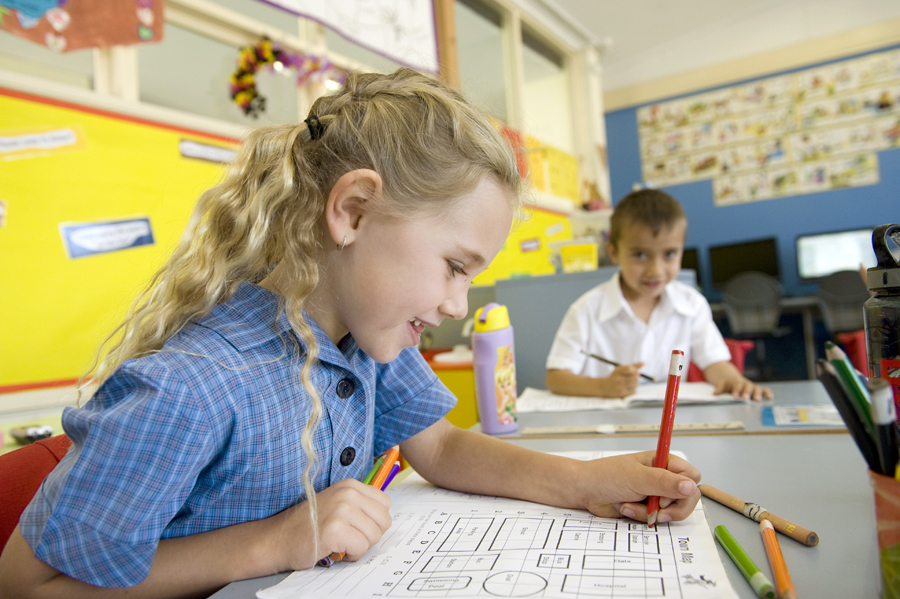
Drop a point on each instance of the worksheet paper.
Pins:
(653, 394)
(447, 545)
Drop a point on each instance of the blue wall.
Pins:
(783, 218)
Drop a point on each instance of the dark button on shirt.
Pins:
(347, 456)
(345, 388)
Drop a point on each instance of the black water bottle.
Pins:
(882, 310)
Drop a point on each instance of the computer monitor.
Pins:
(727, 261)
(821, 254)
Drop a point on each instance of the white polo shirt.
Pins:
(601, 322)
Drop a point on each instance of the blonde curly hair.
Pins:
(428, 144)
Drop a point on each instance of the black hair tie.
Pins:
(316, 128)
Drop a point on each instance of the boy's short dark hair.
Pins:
(650, 207)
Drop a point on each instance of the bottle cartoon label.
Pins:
(505, 384)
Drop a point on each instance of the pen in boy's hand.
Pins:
(616, 364)
(665, 429)
(379, 476)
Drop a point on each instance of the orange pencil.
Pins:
(665, 429)
(776, 561)
(390, 456)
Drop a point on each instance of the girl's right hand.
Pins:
(351, 518)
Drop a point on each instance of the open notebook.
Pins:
(539, 400)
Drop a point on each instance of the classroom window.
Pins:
(480, 51)
(546, 98)
(189, 72)
(75, 68)
(376, 62)
(264, 13)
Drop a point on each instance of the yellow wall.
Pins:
(56, 310)
(526, 252)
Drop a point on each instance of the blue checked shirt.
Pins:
(206, 434)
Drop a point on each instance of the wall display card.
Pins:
(88, 239)
(804, 132)
(452, 545)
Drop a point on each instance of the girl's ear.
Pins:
(350, 203)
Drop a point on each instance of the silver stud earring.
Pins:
(340, 247)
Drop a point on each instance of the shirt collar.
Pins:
(614, 301)
(246, 320)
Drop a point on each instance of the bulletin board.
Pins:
(804, 132)
(64, 167)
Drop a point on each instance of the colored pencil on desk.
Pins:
(851, 383)
(850, 415)
(762, 586)
(884, 419)
(376, 477)
(616, 364)
(676, 365)
(783, 583)
(756, 513)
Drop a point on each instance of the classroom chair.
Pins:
(738, 348)
(752, 302)
(854, 344)
(841, 296)
(21, 473)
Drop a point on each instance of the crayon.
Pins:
(762, 586)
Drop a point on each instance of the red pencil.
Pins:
(665, 429)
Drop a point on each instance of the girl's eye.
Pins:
(455, 268)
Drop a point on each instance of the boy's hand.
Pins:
(351, 518)
(621, 483)
(622, 382)
(744, 388)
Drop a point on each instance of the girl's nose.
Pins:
(456, 306)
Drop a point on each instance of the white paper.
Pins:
(448, 545)
(539, 400)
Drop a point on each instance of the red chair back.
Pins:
(21, 473)
(738, 349)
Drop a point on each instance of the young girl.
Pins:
(274, 356)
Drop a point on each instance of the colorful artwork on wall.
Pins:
(803, 132)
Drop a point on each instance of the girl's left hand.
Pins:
(619, 485)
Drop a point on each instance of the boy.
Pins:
(640, 315)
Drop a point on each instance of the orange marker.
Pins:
(665, 429)
(776, 561)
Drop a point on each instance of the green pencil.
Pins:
(374, 470)
(851, 382)
(762, 586)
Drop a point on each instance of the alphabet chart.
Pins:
(444, 544)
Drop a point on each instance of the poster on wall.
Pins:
(804, 132)
(64, 25)
(400, 30)
(89, 239)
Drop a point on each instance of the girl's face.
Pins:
(399, 276)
